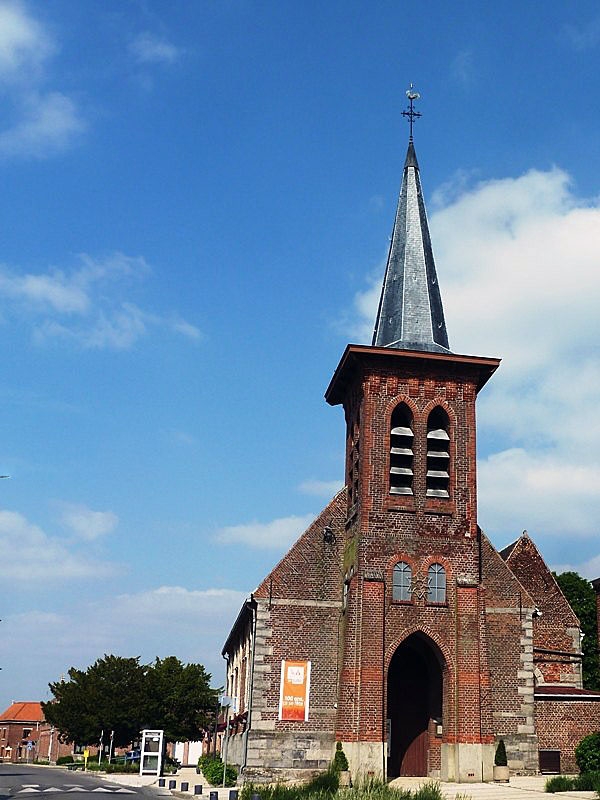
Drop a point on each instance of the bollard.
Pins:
(184, 786)
(233, 794)
(198, 788)
(172, 784)
(161, 781)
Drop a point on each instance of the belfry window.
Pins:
(401, 451)
(436, 584)
(353, 462)
(401, 581)
(438, 454)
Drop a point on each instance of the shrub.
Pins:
(588, 782)
(429, 791)
(121, 768)
(587, 753)
(206, 759)
(340, 762)
(64, 760)
(559, 783)
(500, 759)
(213, 772)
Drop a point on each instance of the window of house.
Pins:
(401, 582)
(26, 732)
(401, 451)
(438, 454)
(436, 584)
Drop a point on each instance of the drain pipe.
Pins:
(253, 609)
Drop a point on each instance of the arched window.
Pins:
(401, 581)
(401, 451)
(436, 584)
(438, 454)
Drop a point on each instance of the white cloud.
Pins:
(321, 488)
(52, 289)
(519, 266)
(150, 49)
(43, 121)
(169, 620)
(462, 66)
(186, 329)
(540, 485)
(24, 45)
(84, 305)
(277, 534)
(86, 523)
(583, 36)
(28, 554)
(47, 125)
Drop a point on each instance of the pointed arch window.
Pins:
(438, 454)
(436, 584)
(402, 582)
(401, 451)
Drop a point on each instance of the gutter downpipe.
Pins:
(252, 606)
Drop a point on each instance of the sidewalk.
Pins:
(184, 775)
(520, 787)
(524, 787)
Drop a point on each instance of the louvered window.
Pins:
(438, 454)
(436, 584)
(401, 581)
(354, 464)
(401, 451)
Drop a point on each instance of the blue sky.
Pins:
(196, 204)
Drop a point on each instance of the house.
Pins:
(393, 625)
(26, 736)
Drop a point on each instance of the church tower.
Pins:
(414, 690)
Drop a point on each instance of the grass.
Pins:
(326, 785)
(586, 782)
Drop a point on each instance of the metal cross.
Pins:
(410, 112)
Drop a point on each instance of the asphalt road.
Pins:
(27, 783)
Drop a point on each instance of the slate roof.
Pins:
(410, 314)
(23, 712)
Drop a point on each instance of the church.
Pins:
(393, 625)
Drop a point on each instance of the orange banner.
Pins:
(295, 690)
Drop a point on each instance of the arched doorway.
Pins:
(414, 705)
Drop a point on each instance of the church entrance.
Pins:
(414, 705)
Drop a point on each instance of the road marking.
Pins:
(51, 789)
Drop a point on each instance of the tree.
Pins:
(179, 699)
(582, 598)
(121, 695)
(108, 696)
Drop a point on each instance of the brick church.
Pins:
(393, 625)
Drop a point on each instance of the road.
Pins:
(26, 783)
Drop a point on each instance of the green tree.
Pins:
(108, 696)
(121, 695)
(179, 699)
(582, 598)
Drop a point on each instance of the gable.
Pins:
(526, 562)
(503, 589)
(312, 567)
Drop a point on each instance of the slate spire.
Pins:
(410, 314)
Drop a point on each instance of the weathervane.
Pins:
(410, 112)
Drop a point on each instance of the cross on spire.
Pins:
(410, 112)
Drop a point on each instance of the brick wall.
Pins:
(555, 627)
(561, 724)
